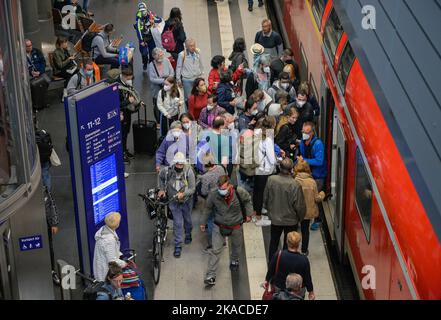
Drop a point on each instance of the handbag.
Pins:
(55, 160)
(269, 292)
(130, 276)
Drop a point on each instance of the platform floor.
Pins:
(214, 26)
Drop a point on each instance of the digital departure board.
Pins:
(94, 136)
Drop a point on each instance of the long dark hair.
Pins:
(239, 45)
(194, 90)
(175, 17)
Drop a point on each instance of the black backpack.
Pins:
(44, 144)
(91, 292)
(86, 41)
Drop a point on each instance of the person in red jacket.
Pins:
(198, 98)
(217, 64)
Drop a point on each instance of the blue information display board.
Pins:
(96, 163)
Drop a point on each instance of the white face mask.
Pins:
(210, 107)
(222, 192)
(301, 103)
(176, 133)
(306, 136)
(186, 126)
(129, 82)
(167, 88)
(231, 126)
(267, 70)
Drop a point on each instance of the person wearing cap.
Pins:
(178, 183)
(145, 21)
(284, 200)
(269, 39)
(175, 140)
(256, 50)
(107, 246)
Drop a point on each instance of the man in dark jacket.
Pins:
(269, 39)
(305, 110)
(277, 65)
(38, 80)
(283, 199)
(293, 289)
(232, 208)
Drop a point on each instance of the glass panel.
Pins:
(333, 32)
(363, 195)
(8, 161)
(318, 7)
(345, 66)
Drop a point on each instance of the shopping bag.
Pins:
(55, 160)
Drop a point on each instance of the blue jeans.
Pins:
(46, 175)
(181, 220)
(146, 52)
(188, 85)
(86, 5)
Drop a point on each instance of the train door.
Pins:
(6, 269)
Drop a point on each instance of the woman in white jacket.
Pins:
(107, 246)
(170, 104)
(266, 158)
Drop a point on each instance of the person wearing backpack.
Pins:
(110, 289)
(102, 50)
(232, 207)
(145, 21)
(83, 78)
(178, 183)
(283, 84)
(173, 36)
(45, 147)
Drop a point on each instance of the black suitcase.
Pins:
(145, 138)
(39, 87)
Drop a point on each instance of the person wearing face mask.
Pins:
(178, 183)
(145, 21)
(210, 112)
(198, 98)
(232, 207)
(283, 85)
(247, 118)
(170, 104)
(312, 150)
(83, 78)
(287, 136)
(158, 71)
(175, 139)
(129, 103)
(305, 109)
(310, 98)
(259, 78)
(225, 92)
(278, 65)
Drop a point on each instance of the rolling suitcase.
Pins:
(144, 135)
(39, 87)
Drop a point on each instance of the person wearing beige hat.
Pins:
(107, 246)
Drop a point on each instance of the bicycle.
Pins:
(157, 209)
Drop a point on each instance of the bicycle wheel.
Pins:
(157, 258)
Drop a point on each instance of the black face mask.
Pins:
(179, 170)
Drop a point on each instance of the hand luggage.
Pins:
(144, 135)
(39, 87)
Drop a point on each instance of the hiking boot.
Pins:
(234, 265)
(177, 253)
(188, 239)
(250, 8)
(211, 281)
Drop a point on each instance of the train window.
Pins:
(363, 195)
(346, 61)
(333, 32)
(318, 7)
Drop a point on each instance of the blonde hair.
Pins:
(289, 68)
(302, 166)
(112, 220)
(293, 240)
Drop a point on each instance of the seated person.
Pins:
(64, 63)
(102, 50)
(111, 289)
(38, 79)
(83, 78)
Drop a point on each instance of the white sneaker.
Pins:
(263, 223)
(126, 175)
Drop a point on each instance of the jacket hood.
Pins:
(303, 176)
(104, 233)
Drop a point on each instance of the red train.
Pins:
(379, 216)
